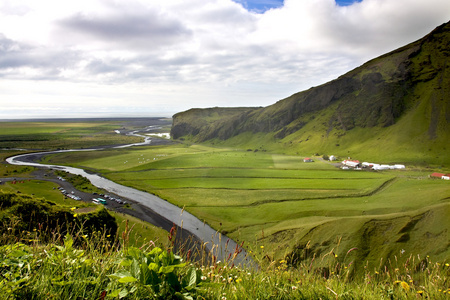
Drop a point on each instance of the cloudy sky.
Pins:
(89, 58)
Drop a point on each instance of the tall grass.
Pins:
(77, 266)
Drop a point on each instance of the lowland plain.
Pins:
(284, 204)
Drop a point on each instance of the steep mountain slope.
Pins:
(395, 107)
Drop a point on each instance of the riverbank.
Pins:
(151, 208)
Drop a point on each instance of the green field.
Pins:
(278, 200)
(62, 135)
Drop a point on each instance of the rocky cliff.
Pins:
(375, 95)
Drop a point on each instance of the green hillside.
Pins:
(395, 108)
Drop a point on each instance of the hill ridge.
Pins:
(409, 84)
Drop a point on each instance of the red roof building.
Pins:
(437, 175)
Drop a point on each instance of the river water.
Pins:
(219, 245)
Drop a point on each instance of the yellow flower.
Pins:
(75, 215)
(447, 264)
(108, 235)
(404, 285)
(73, 208)
(238, 280)
(420, 292)
(84, 236)
(262, 247)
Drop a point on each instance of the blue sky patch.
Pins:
(261, 6)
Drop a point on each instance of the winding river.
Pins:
(219, 245)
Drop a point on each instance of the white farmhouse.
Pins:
(351, 163)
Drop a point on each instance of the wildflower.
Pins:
(108, 235)
(203, 278)
(239, 280)
(404, 285)
(335, 255)
(294, 287)
(262, 247)
(73, 208)
(84, 236)
(420, 292)
(75, 215)
(376, 272)
(447, 264)
(34, 229)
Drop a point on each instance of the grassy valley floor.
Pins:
(295, 210)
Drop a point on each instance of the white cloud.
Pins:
(154, 55)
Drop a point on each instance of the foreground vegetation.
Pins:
(79, 266)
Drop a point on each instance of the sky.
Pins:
(117, 58)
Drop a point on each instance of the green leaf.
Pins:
(134, 252)
(187, 296)
(68, 242)
(114, 294)
(126, 262)
(123, 293)
(156, 251)
(166, 269)
(127, 279)
(153, 267)
(192, 277)
(120, 274)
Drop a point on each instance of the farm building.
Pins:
(351, 163)
(437, 175)
(374, 166)
(440, 176)
(332, 158)
(307, 159)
